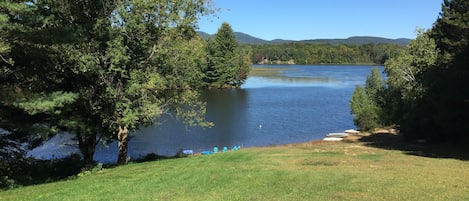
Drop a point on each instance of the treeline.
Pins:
(304, 53)
(426, 93)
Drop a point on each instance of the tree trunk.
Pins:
(122, 142)
(87, 145)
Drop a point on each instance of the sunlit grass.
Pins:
(310, 171)
(266, 72)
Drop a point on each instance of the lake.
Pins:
(300, 104)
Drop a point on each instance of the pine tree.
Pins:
(448, 83)
(227, 65)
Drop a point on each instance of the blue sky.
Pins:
(317, 19)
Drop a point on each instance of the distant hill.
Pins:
(204, 35)
(360, 40)
(248, 39)
(241, 37)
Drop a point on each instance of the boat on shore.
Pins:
(334, 139)
(340, 135)
(351, 131)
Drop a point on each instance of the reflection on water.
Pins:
(259, 82)
(312, 76)
(301, 104)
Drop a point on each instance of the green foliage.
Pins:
(450, 30)
(228, 65)
(426, 94)
(406, 86)
(303, 53)
(365, 110)
(17, 170)
(366, 103)
(45, 103)
(374, 86)
(94, 170)
(96, 68)
(447, 83)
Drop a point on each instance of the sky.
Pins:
(323, 19)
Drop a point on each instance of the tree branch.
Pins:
(5, 60)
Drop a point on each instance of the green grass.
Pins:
(266, 72)
(310, 171)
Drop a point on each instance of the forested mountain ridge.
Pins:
(358, 40)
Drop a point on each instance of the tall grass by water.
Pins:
(309, 171)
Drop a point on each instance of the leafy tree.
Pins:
(426, 93)
(148, 82)
(374, 86)
(365, 111)
(102, 69)
(405, 104)
(366, 102)
(227, 65)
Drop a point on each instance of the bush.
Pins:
(19, 170)
(365, 103)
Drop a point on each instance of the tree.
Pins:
(227, 65)
(450, 97)
(406, 88)
(30, 99)
(111, 66)
(450, 30)
(366, 102)
(148, 84)
(365, 111)
(425, 94)
(374, 86)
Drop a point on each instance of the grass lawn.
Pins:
(356, 170)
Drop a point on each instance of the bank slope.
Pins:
(310, 171)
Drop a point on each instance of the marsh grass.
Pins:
(309, 171)
(266, 72)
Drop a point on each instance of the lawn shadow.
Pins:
(392, 141)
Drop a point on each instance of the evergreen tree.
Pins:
(227, 65)
(30, 93)
(448, 93)
(30, 100)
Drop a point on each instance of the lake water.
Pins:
(303, 103)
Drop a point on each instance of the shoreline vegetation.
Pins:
(265, 71)
(292, 62)
(378, 166)
(301, 53)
